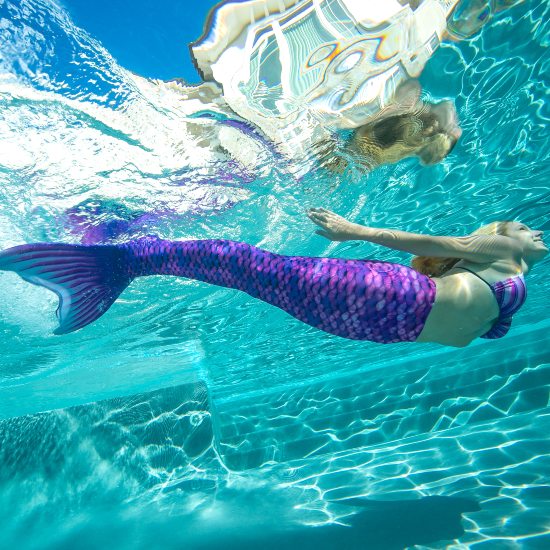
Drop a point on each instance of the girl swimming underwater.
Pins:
(464, 287)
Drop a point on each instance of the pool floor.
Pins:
(444, 452)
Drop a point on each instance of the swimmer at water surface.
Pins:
(458, 288)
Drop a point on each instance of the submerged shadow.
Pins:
(384, 525)
(399, 524)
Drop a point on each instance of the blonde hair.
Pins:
(435, 267)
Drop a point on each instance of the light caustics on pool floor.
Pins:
(217, 418)
(337, 460)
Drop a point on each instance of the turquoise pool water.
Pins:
(191, 416)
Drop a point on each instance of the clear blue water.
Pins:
(190, 415)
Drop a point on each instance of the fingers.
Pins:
(329, 222)
(320, 211)
(317, 217)
(321, 215)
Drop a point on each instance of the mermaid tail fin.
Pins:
(87, 279)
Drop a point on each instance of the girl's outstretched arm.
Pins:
(474, 248)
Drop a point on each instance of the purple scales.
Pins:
(358, 299)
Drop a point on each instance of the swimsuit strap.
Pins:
(478, 276)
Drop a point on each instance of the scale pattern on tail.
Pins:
(358, 299)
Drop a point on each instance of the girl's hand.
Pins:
(333, 226)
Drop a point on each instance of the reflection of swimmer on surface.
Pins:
(422, 133)
(426, 130)
(461, 288)
(300, 71)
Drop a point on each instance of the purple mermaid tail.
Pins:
(358, 299)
